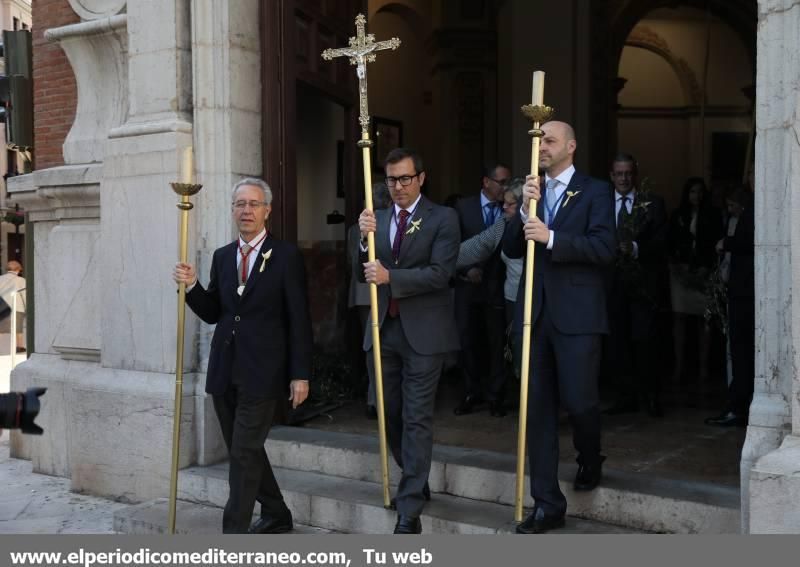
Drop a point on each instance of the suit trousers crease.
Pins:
(245, 421)
(564, 370)
(410, 381)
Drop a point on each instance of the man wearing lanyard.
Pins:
(416, 245)
(573, 228)
(260, 353)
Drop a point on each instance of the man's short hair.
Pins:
(399, 154)
(491, 170)
(255, 182)
(622, 157)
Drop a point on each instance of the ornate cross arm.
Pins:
(362, 51)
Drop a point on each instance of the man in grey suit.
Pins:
(416, 249)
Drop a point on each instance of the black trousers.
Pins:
(742, 323)
(409, 386)
(245, 422)
(564, 371)
(482, 332)
(632, 350)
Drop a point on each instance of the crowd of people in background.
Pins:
(680, 297)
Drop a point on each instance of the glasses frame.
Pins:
(245, 204)
(393, 181)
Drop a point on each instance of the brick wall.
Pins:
(55, 93)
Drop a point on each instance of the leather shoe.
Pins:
(407, 525)
(727, 419)
(589, 474)
(426, 494)
(497, 409)
(268, 525)
(467, 405)
(620, 408)
(538, 522)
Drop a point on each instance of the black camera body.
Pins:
(18, 410)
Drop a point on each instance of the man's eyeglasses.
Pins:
(500, 182)
(405, 180)
(240, 205)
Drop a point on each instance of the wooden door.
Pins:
(294, 34)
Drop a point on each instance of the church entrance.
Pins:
(670, 83)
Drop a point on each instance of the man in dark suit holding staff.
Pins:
(416, 245)
(260, 353)
(573, 228)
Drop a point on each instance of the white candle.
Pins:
(537, 96)
(186, 166)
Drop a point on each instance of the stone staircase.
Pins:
(331, 482)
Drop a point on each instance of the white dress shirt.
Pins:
(256, 243)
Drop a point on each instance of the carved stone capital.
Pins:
(97, 9)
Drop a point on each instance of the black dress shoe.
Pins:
(538, 522)
(497, 409)
(727, 419)
(622, 408)
(268, 525)
(467, 405)
(426, 494)
(407, 525)
(589, 474)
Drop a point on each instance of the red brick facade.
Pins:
(55, 93)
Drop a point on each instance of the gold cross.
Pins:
(362, 51)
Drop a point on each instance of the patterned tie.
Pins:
(490, 214)
(394, 308)
(246, 248)
(623, 211)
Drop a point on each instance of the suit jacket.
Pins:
(741, 282)
(420, 281)
(471, 222)
(646, 275)
(571, 276)
(263, 337)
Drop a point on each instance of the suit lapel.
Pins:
(568, 203)
(422, 211)
(256, 259)
(476, 221)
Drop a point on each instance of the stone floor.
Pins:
(39, 504)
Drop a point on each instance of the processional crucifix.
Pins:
(361, 52)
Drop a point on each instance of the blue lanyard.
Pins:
(551, 211)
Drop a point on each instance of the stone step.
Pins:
(355, 506)
(638, 501)
(191, 518)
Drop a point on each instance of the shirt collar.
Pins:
(252, 243)
(618, 196)
(411, 209)
(485, 200)
(563, 178)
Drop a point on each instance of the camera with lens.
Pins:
(18, 410)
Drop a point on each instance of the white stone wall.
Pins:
(770, 482)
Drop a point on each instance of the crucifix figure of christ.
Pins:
(362, 50)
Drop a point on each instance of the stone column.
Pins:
(770, 481)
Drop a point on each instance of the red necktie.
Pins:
(394, 308)
(245, 252)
